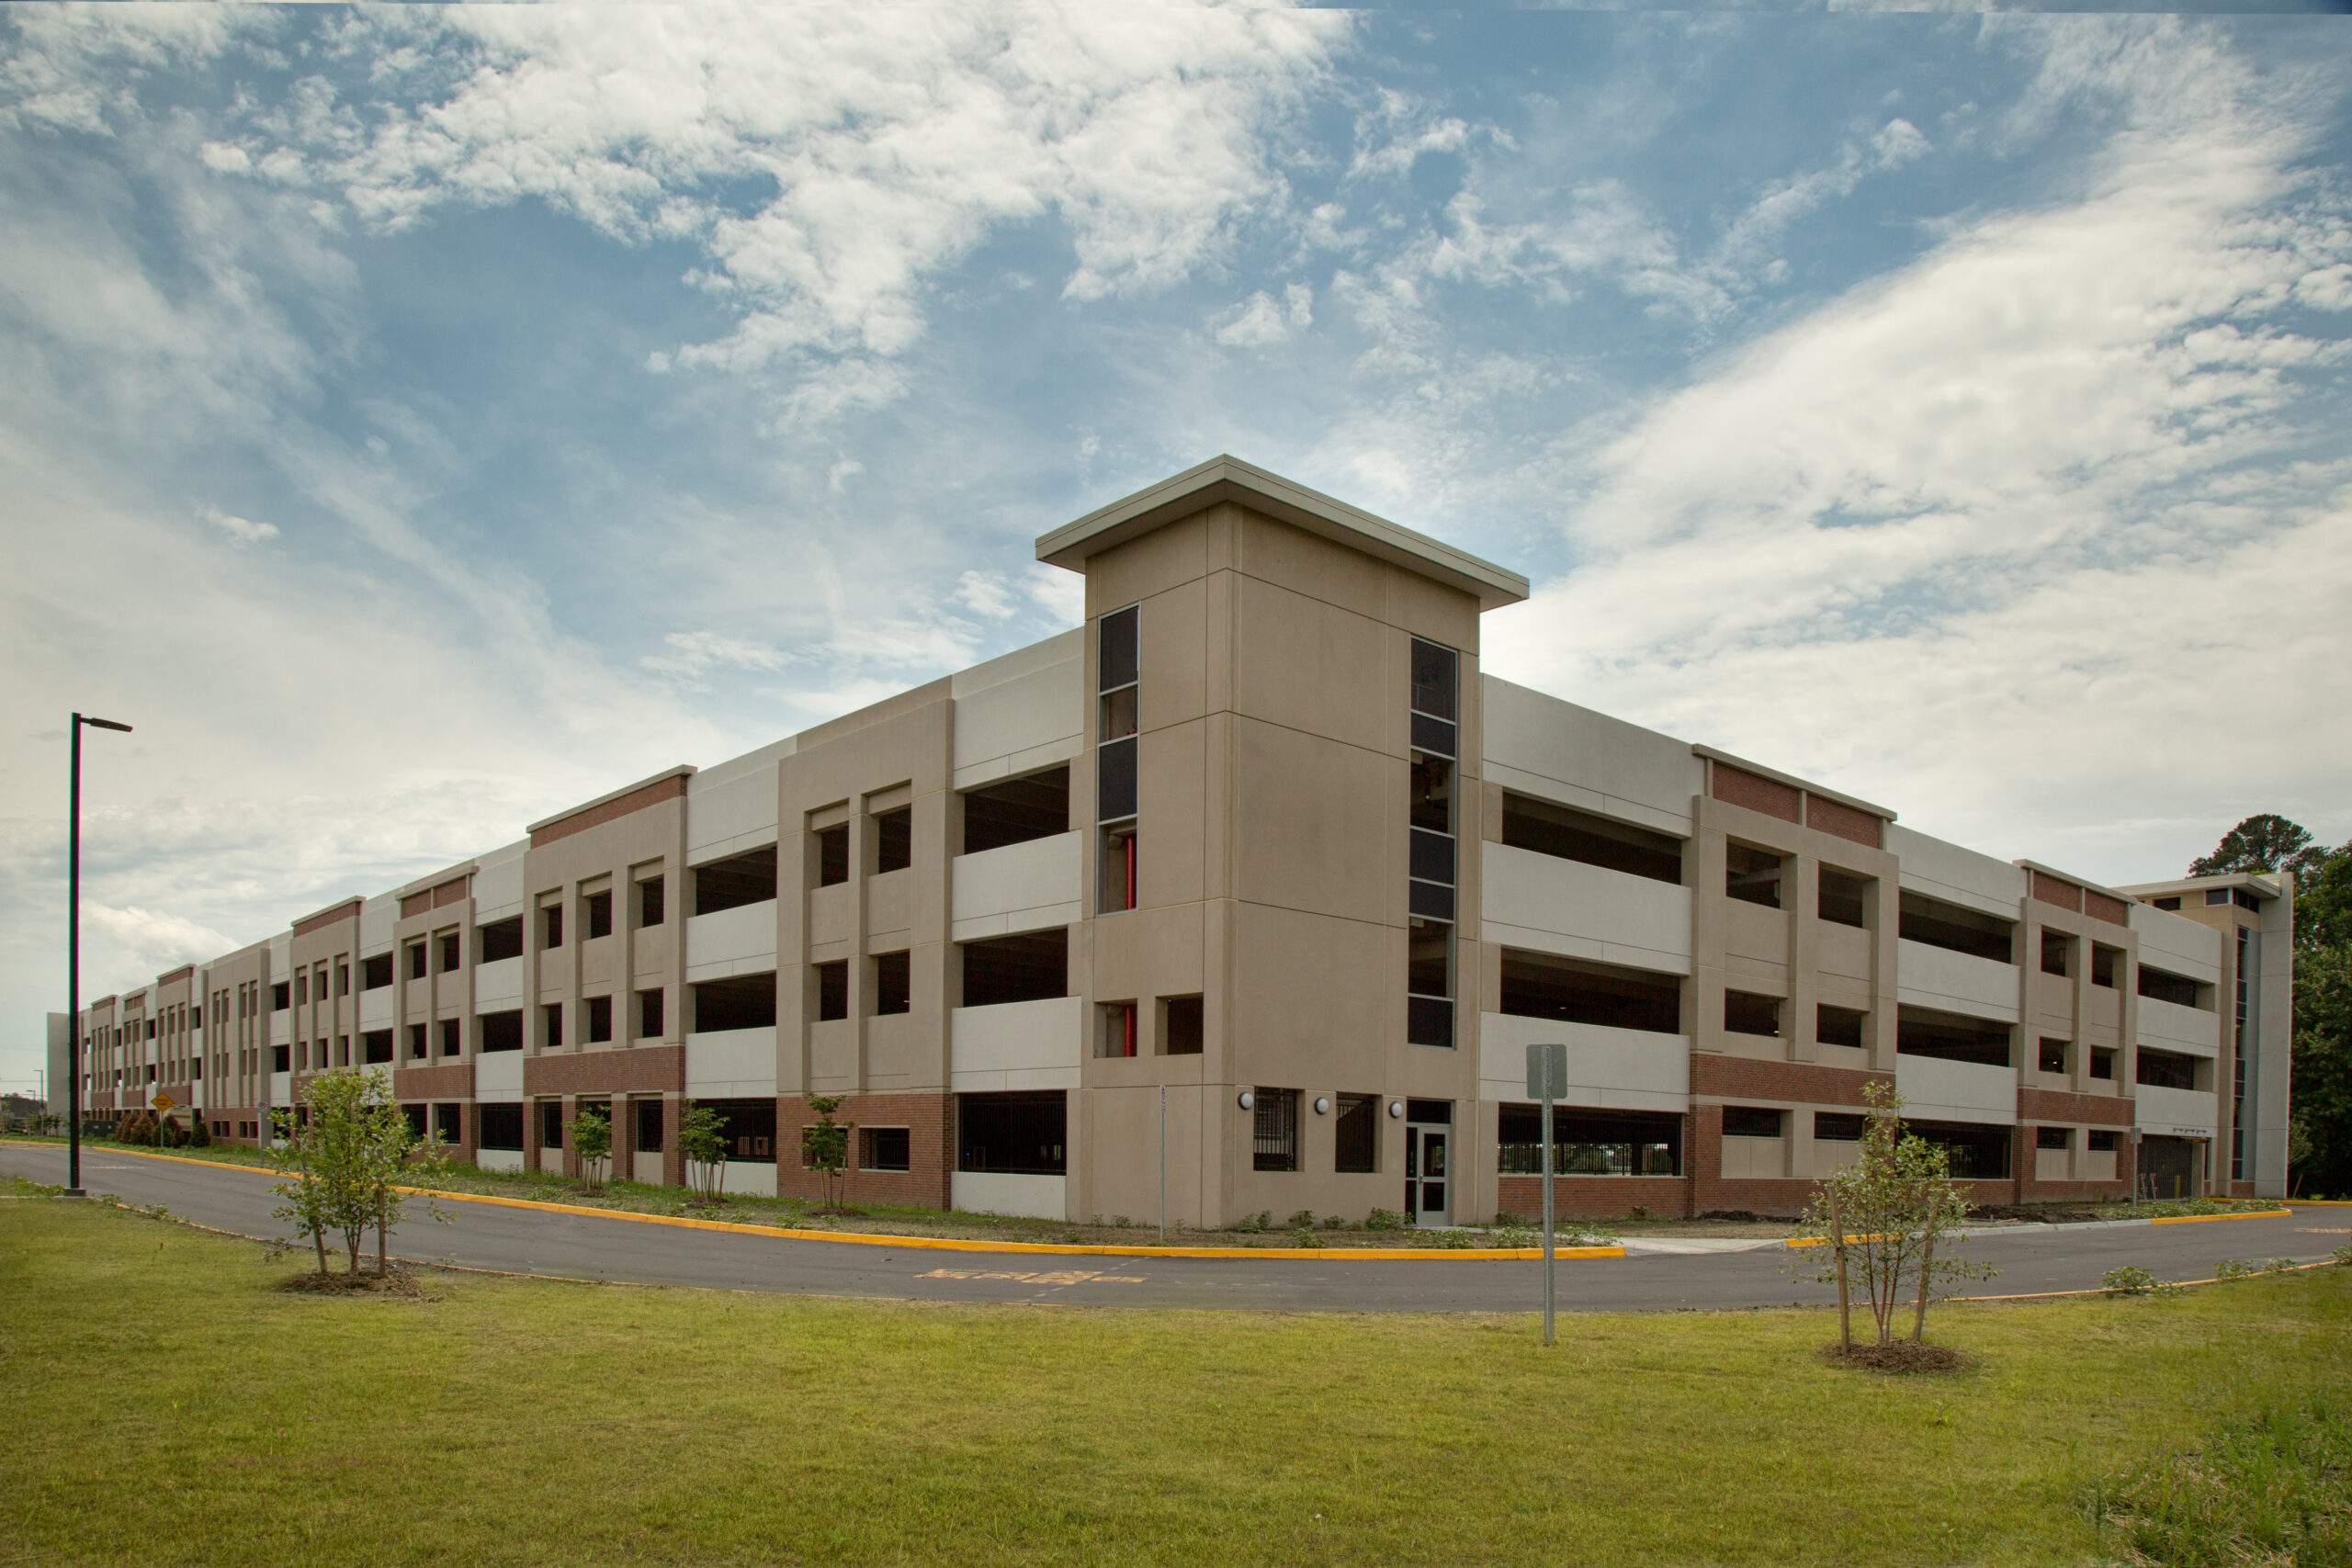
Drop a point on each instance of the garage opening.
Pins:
(1027, 968)
(1541, 985)
(1019, 1134)
(744, 1001)
(730, 884)
(1016, 811)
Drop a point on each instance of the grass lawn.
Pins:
(173, 1407)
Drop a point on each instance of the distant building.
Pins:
(1260, 835)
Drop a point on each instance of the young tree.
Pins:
(1887, 1222)
(332, 1188)
(591, 1132)
(825, 1146)
(396, 1152)
(702, 1138)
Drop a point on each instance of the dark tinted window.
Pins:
(1016, 811)
(892, 983)
(1556, 830)
(1121, 653)
(1019, 1134)
(745, 1001)
(499, 1126)
(730, 884)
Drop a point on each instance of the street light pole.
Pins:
(73, 959)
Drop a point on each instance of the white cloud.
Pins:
(153, 939)
(985, 593)
(1261, 319)
(1060, 594)
(1892, 145)
(2017, 501)
(891, 141)
(241, 531)
(693, 654)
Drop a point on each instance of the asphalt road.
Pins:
(529, 1241)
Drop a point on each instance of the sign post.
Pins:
(1547, 1074)
(163, 1103)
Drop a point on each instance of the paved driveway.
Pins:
(530, 1241)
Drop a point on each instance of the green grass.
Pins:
(2273, 1487)
(175, 1408)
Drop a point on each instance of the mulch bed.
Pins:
(398, 1281)
(1903, 1356)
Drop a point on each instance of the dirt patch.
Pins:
(2035, 1213)
(1903, 1356)
(834, 1213)
(397, 1280)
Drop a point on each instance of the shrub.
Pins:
(2342, 1255)
(1387, 1220)
(137, 1129)
(2279, 1266)
(2234, 1269)
(2127, 1280)
(199, 1137)
(1264, 1219)
(1302, 1221)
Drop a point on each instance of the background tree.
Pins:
(1888, 1219)
(825, 1146)
(591, 1135)
(2264, 842)
(396, 1154)
(702, 1138)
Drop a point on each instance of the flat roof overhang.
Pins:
(1226, 478)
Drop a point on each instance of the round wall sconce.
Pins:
(1397, 1109)
(1322, 1105)
(1245, 1099)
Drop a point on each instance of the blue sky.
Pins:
(416, 420)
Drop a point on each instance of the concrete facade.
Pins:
(1254, 888)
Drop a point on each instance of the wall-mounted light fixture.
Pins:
(1322, 1105)
(1396, 1108)
(1245, 1099)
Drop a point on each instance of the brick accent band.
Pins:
(454, 1081)
(2039, 1105)
(1834, 816)
(327, 918)
(643, 1069)
(1744, 1078)
(2099, 907)
(2050, 890)
(1737, 786)
(450, 892)
(613, 810)
(416, 904)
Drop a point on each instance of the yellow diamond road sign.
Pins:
(163, 1101)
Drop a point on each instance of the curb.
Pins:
(1970, 1232)
(944, 1243)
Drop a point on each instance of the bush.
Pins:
(1262, 1220)
(2234, 1269)
(199, 1137)
(137, 1130)
(1302, 1221)
(1387, 1219)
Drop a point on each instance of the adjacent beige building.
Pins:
(1254, 890)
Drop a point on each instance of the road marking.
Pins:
(1057, 1276)
(2319, 1230)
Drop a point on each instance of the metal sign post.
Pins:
(1163, 1164)
(1547, 1074)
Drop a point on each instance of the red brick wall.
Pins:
(930, 1121)
(2050, 890)
(2055, 1107)
(1740, 787)
(612, 811)
(641, 1069)
(1843, 820)
(1783, 1198)
(454, 1081)
(1745, 1077)
(1594, 1197)
(2099, 907)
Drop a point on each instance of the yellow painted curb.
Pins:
(2321, 1202)
(2199, 1219)
(945, 1243)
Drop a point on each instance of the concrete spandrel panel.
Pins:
(1538, 735)
(281, 1088)
(1031, 713)
(497, 987)
(733, 809)
(747, 1178)
(1012, 1039)
(498, 884)
(498, 1075)
(280, 1024)
(378, 915)
(1019, 887)
(498, 1159)
(2183, 1112)
(1583, 911)
(376, 1008)
(741, 941)
(1028, 1197)
(732, 1063)
(1936, 1090)
(2178, 944)
(1963, 877)
(1617, 1070)
(1955, 982)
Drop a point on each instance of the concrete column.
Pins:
(1804, 913)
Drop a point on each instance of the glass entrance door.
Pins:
(1429, 1186)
